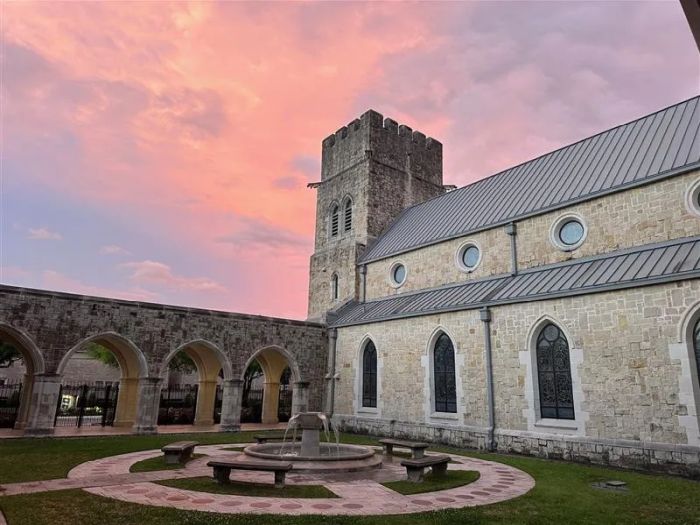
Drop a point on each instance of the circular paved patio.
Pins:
(358, 493)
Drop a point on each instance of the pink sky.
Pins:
(161, 152)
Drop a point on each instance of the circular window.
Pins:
(568, 232)
(398, 274)
(468, 256)
(692, 199)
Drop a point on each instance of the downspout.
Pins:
(363, 283)
(486, 319)
(512, 231)
(330, 376)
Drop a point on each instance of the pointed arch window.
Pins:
(696, 345)
(554, 374)
(347, 215)
(334, 287)
(444, 375)
(369, 376)
(335, 218)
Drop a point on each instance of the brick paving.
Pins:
(359, 493)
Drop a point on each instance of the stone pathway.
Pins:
(359, 493)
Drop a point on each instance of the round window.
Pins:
(468, 256)
(571, 232)
(568, 232)
(693, 199)
(398, 274)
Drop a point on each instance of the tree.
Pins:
(251, 374)
(8, 355)
(180, 362)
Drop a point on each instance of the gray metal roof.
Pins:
(661, 144)
(641, 266)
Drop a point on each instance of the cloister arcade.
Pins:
(48, 328)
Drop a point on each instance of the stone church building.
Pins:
(551, 309)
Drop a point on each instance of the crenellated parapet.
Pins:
(385, 141)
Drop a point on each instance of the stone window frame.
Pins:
(460, 252)
(334, 217)
(335, 286)
(683, 351)
(359, 409)
(347, 212)
(427, 362)
(528, 359)
(559, 223)
(390, 276)
(692, 198)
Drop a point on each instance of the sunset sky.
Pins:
(160, 152)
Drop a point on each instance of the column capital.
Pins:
(232, 382)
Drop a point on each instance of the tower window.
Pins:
(334, 287)
(335, 221)
(347, 216)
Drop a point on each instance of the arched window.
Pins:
(334, 286)
(369, 375)
(444, 375)
(554, 374)
(334, 220)
(347, 215)
(696, 344)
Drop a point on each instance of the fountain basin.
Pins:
(331, 458)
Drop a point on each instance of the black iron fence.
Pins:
(178, 405)
(251, 409)
(10, 396)
(284, 408)
(87, 405)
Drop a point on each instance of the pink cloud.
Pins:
(159, 274)
(113, 249)
(43, 234)
(53, 280)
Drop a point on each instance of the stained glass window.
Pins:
(696, 344)
(554, 374)
(369, 376)
(444, 375)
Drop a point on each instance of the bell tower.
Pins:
(371, 170)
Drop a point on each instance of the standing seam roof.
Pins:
(661, 144)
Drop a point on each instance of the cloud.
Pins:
(160, 274)
(113, 249)
(53, 280)
(43, 234)
(257, 234)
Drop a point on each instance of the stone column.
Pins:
(271, 398)
(43, 405)
(127, 402)
(300, 397)
(231, 405)
(206, 396)
(25, 402)
(149, 401)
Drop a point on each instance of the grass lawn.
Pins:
(207, 484)
(158, 463)
(563, 493)
(452, 479)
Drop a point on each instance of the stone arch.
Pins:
(273, 360)
(133, 367)
(532, 388)
(209, 360)
(33, 365)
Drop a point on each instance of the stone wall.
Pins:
(642, 215)
(626, 375)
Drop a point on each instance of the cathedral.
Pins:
(550, 309)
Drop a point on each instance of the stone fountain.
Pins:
(312, 454)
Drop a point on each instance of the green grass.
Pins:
(563, 493)
(207, 484)
(158, 463)
(452, 479)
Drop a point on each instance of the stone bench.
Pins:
(417, 448)
(223, 468)
(273, 436)
(178, 452)
(415, 467)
